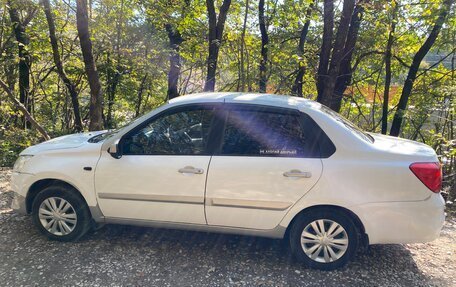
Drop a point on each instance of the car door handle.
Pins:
(191, 169)
(297, 173)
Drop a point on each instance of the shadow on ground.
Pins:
(127, 255)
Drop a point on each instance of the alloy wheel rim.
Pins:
(57, 216)
(324, 240)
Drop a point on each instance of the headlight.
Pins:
(21, 161)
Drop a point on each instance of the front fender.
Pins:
(73, 166)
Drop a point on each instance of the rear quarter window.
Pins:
(348, 124)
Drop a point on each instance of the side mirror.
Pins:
(114, 150)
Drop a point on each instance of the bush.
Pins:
(14, 140)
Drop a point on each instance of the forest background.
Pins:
(75, 65)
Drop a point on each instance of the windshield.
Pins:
(351, 126)
(110, 133)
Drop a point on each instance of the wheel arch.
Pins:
(356, 220)
(41, 184)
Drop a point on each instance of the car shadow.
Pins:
(130, 255)
(380, 265)
(181, 257)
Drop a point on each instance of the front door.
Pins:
(267, 161)
(161, 175)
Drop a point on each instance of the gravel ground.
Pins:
(133, 256)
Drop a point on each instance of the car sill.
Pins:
(277, 232)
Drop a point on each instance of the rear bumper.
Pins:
(403, 222)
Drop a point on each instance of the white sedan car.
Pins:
(253, 164)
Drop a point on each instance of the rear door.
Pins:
(267, 160)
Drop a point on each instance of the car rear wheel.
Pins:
(61, 214)
(324, 239)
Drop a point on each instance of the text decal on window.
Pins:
(278, 152)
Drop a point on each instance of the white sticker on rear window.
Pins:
(278, 151)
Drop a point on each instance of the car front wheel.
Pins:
(324, 239)
(61, 214)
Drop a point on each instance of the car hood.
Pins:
(400, 146)
(63, 142)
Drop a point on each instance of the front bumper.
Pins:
(20, 184)
(403, 222)
(18, 204)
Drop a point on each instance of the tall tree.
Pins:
(114, 75)
(242, 74)
(140, 95)
(215, 35)
(388, 56)
(175, 39)
(96, 99)
(176, 18)
(413, 70)
(25, 59)
(296, 90)
(59, 65)
(346, 72)
(330, 70)
(326, 43)
(263, 23)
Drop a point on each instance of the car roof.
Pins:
(246, 98)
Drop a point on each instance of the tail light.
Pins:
(430, 174)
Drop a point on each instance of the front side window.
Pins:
(264, 133)
(179, 133)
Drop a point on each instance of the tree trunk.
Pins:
(24, 111)
(112, 97)
(112, 78)
(59, 65)
(346, 72)
(96, 99)
(388, 55)
(216, 27)
(325, 50)
(175, 39)
(24, 60)
(263, 81)
(327, 96)
(140, 96)
(296, 90)
(411, 76)
(244, 28)
(114, 82)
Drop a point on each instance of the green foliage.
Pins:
(130, 41)
(12, 141)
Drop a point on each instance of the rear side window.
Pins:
(271, 133)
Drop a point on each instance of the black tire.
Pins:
(83, 222)
(327, 214)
